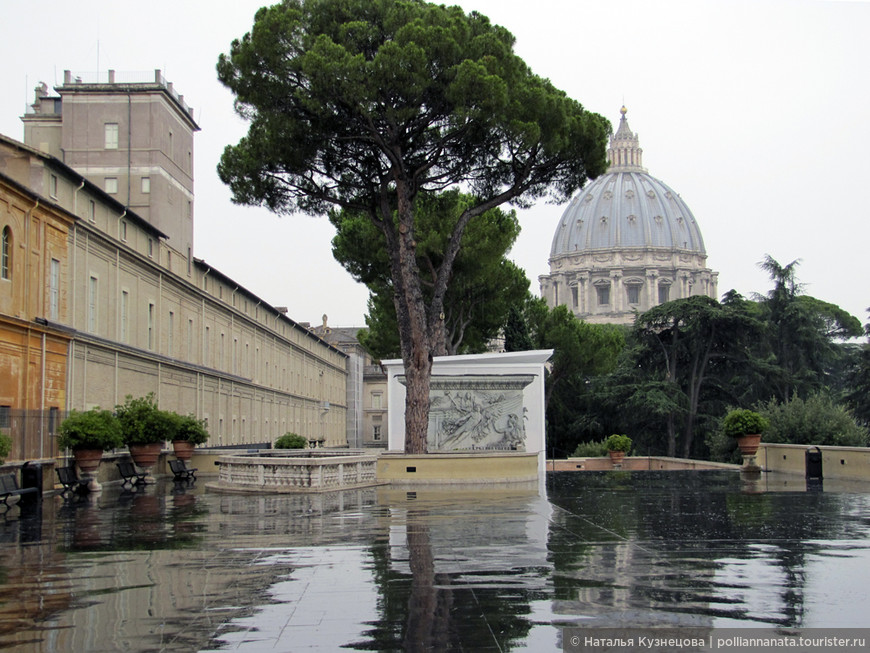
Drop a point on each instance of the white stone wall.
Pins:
(517, 364)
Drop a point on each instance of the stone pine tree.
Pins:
(364, 104)
(484, 284)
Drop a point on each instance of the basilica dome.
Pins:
(625, 243)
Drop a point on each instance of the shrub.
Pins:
(741, 421)
(142, 422)
(91, 429)
(617, 442)
(291, 441)
(191, 429)
(5, 446)
(590, 449)
(814, 420)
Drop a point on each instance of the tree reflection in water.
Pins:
(430, 603)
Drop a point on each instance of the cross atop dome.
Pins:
(625, 153)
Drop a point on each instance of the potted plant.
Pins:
(189, 433)
(88, 434)
(746, 426)
(617, 446)
(291, 441)
(5, 446)
(145, 429)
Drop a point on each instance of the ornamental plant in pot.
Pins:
(5, 446)
(291, 441)
(617, 446)
(145, 429)
(89, 434)
(746, 426)
(189, 433)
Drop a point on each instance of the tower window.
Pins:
(146, 185)
(6, 254)
(633, 294)
(603, 295)
(111, 140)
(111, 185)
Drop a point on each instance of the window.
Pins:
(664, 293)
(150, 326)
(150, 248)
(171, 337)
(603, 295)
(633, 294)
(124, 230)
(6, 254)
(54, 290)
(53, 414)
(111, 136)
(146, 185)
(92, 211)
(376, 400)
(376, 432)
(111, 184)
(125, 308)
(92, 305)
(205, 346)
(5, 417)
(190, 355)
(52, 187)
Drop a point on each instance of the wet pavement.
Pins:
(184, 569)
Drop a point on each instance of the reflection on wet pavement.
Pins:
(182, 569)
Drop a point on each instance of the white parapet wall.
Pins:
(478, 403)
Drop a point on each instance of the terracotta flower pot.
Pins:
(183, 449)
(748, 444)
(145, 455)
(616, 456)
(88, 460)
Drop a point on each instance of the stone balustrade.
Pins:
(296, 471)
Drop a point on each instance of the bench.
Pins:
(182, 471)
(70, 481)
(130, 475)
(9, 488)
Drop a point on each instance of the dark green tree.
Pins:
(858, 381)
(483, 286)
(363, 105)
(802, 343)
(682, 344)
(581, 353)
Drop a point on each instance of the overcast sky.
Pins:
(757, 113)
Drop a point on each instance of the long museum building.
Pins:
(101, 296)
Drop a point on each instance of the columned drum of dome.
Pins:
(626, 242)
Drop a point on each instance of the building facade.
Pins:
(99, 304)
(626, 243)
(366, 388)
(133, 138)
(33, 354)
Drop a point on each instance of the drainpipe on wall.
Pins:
(42, 403)
(129, 144)
(76, 197)
(28, 220)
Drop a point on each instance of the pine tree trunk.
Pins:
(414, 332)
